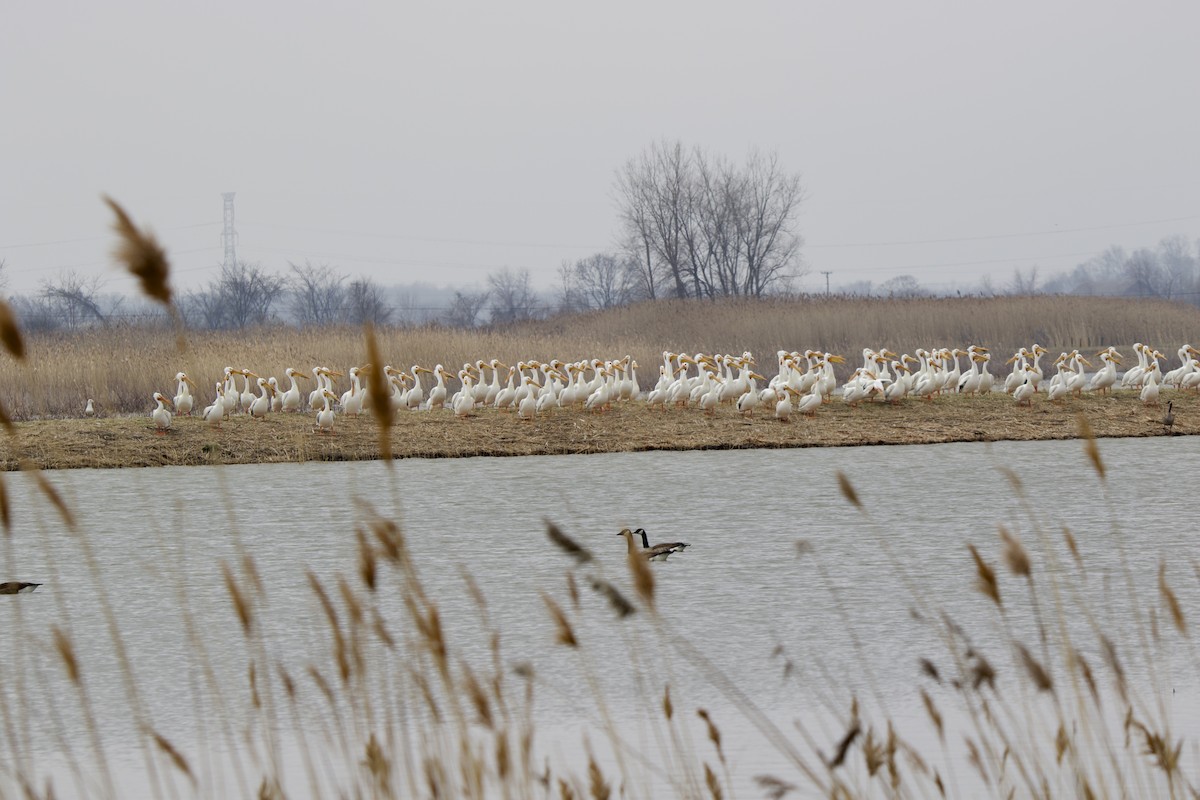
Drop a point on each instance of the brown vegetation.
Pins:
(131, 440)
(122, 367)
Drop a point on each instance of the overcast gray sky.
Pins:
(442, 141)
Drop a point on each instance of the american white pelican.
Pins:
(1038, 351)
(659, 552)
(262, 404)
(749, 400)
(437, 395)
(276, 399)
(1058, 385)
(1077, 380)
(1106, 377)
(1175, 377)
(90, 409)
(1023, 394)
(783, 408)
(325, 416)
(183, 396)
(506, 396)
(160, 415)
(527, 407)
(290, 400)
(463, 403)
(352, 400)
(1133, 376)
(1150, 389)
(17, 587)
(230, 396)
(247, 396)
(810, 402)
(216, 412)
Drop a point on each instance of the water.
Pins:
(838, 608)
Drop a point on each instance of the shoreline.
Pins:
(130, 441)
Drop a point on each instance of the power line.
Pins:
(97, 238)
(1004, 235)
(431, 239)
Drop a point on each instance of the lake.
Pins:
(789, 600)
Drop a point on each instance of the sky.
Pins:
(440, 142)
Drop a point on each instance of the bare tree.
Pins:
(465, 308)
(513, 298)
(365, 303)
(1178, 264)
(240, 297)
(707, 227)
(902, 286)
(603, 280)
(317, 294)
(1024, 283)
(73, 298)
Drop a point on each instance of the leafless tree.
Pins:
(241, 296)
(1024, 283)
(318, 295)
(706, 227)
(465, 308)
(365, 302)
(1178, 264)
(603, 280)
(513, 298)
(73, 298)
(901, 286)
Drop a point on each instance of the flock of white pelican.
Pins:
(802, 383)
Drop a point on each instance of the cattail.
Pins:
(380, 394)
(565, 635)
(366, 560)
(1014, 554)
(985, 577)
(240, 604)
(934, 714)
(710, 780)
(5, 511)
(66, 651)
(176, 757)
(142, 256)
(714, 735)
(1039, 675)
(1171, 600)
(848, 490)
(597, 786)
(10, 332)
(614, 597)
(643, 578)
(1089, 445)
(568, 545)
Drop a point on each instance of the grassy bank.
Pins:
(122, 441)
(121, 368)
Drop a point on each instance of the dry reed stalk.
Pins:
(1014, 554)
(714, 786)
(568, 545)
(240, 604)
(1090, 447)
(367, 566)
(643, 578)
(177, 758)
(66, 652)
(985, 577)
(616, 600)
(10, 332)
(564, 633)
(1171, 601)
(380, 393)
(5, 510)
(1037, 672)
(847, 490)
(142, 255)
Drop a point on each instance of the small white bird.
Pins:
(90, 409)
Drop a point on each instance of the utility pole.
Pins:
(229, 235)
(824, 272)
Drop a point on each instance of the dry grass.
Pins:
(122, 367)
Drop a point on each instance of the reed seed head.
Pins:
(1037, 673)
(1014, 553)
(668, 707)
(177, 758)
(568, 545)
(643, 578)
(5, 510)
(10, 332)
(847, 490)
(564, 634)
(1170, 600)
(1089, 446)
(66, 652)
(240, 605)
(985, 577)
(380, 394)
(615, 599)
(142, 255)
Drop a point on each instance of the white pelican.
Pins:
(262, 404)
(90, 409)
(325, 416)
(1058, 386)
(493, 389)
(749, 401)
(464, 399)
(160, 415)
(1023, 394)
(1150, 390)
(276, 399)
(290, 400)
(783, 408)
(658, 552)
(183, 396)
(17, 587)
(1106, 377)
(809, 404)
(352, 400)
(1077, 380)
(506, 396)
(527, 407)
(230, 396)
(437, 395)
(216, 412)
(1192, 379)
(1176, 376)
(986, 379)
(247, 397)
(1038, 351)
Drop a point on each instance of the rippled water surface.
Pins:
(751, 600)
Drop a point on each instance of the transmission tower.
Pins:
(229, 235)
(824, 272)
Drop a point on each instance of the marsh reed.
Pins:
(121, 367)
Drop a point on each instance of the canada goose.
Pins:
(1168, 419)
(658, 552)
(17, 587)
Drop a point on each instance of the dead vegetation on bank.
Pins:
(126, 441)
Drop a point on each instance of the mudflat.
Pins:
(131, 441)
